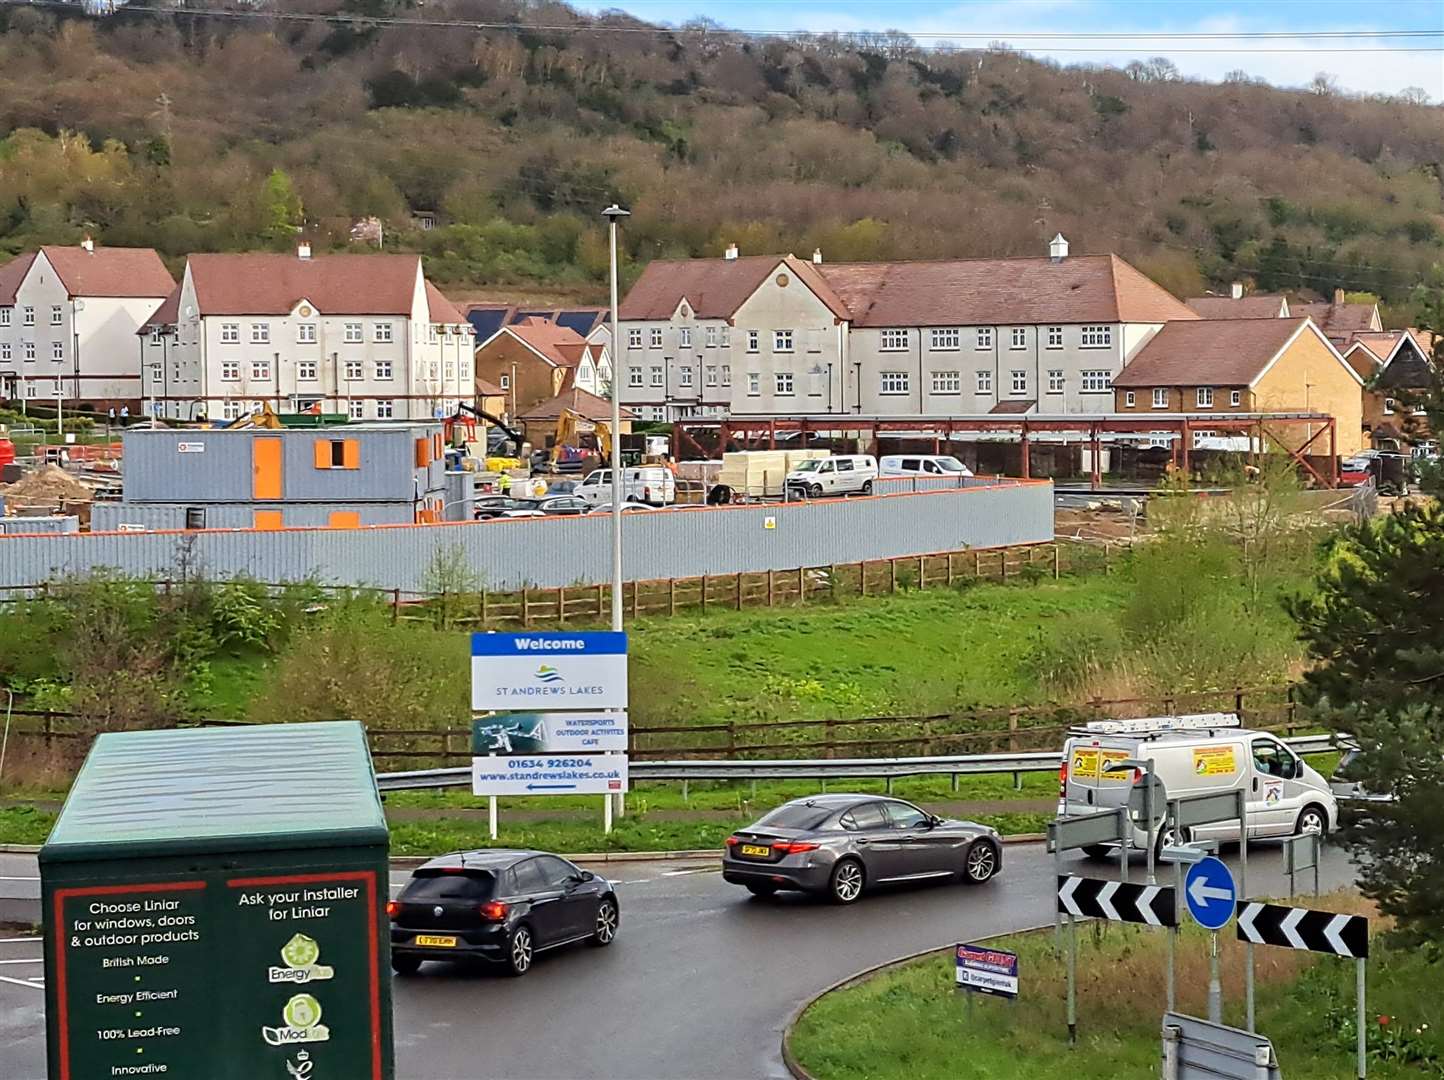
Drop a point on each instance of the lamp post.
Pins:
(614, 214)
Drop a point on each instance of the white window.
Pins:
(893, 382)
(1205, 397)
(784, 382)
(230, 371)
(754, 383)
(753, 337)
(5, 316)
(947, 382)
(433, 371)
(356, 409)
(155, 335)
(260, 333)
(634, 337)
(945, 339)
(306, 333)
(1097, 382)
(1389, 406)
(433, 333)
(656, 337)
(383, 333)
(684, 337)
(894, 340)
(306, 370)
(1129, 400)
(1160, 397)
(230, 333)
(1020, 338)
(385, 409)
(685, 376)
(29, 348)
(782, 341)
(726, 374)
(351, 333)
(57, 350)
(985, 337)
(1020, 382)
(30, 389)
(230, 410)
(4, 350)
(726, 336)
(1096, 337)
(56, 314)
(383, 369)
(1235, 398)
(354, 370)
(634, 376)
(656, 375)
(1055, 337)
(711, 374)
(506, 382)
(711, 337)
(450, 371)
(1055, 382)
(985, 382)
(465, 371)
(29, 316)
(260, 369)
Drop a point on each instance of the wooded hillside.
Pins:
(195, 133)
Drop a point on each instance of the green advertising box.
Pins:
(214, 909)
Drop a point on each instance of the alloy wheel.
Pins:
(521, 951)
(606, 923)
(1311, 821)
(847, 882)
(982, 862)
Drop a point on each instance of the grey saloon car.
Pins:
(840, 845)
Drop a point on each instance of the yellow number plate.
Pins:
(753, 849)
(434, 939)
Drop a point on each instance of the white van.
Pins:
(922, 465)
(651, 484)
(842, 474)
(1195, 755)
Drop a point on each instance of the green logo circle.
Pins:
(303, 1011)
(300, 952)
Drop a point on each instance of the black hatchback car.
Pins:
(498, 905)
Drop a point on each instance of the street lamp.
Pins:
(614, 214)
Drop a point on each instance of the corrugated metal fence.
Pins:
(552, 552)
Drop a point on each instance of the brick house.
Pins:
(534, 360)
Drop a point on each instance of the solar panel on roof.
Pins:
(583, 322)
(485, 321)
(520, 315)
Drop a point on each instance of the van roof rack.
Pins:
(1158, 725)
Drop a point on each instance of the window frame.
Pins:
(634, 337)
(655, 340)
(1203, 397)
(1054, 332)
(658, 376)
(1235, 398)
(305, 371)
(1057, 381)
(234, 369)
(1130, 399)
(945, 339)
(1160, 397)
(941, 381)
(1018, 338)
(306, 333)
(893, 383)
(782, 341)
(260, 333)
(894, 339)
(1018, 382)
(634, 377)
(983, 337)
(1100, 333)
(983, 382)
(784, 384)
(754, 383)
(1096, 381)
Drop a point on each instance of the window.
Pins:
(506, 382)
(433, 371)
(894, 340)
(29, 389)
(260, 333)
(356, 409)
(656, 375)
(754, 383)
(684, 337)
(306, 333)
(904, 816)
(29, 348)
(1160, 397)
(782, 341)
(231, 410)
(465, 371)
(4, 316)
(4, 350)
(684, 376)
(1020, 338)
(56, 314)
(351, 333)
(893, 382)
(382, 333)
(711, 337)
(230, 333)
(711, 375)
(985, 382)
(305, 371)
(634, 337)
(57, 350)
(230, 371)
(1020, 382)
(383, 370)
(260, 369)
(29, 313)
(945, 339)
(1097, 382)
(354, 370)
(726, 336)
(1129, 400)
(1235, 398)
(752, 340)
(1205, 397)
(1388, 406)
(1055, 337)
(1271, 759)
(726, 374)
(339, 453)
(656, 337)
(863, 818)
(985, 337)
(784, 382)
(450, 371)
(634, 376)
(947, 382)
(1096, 337)
(155, 335)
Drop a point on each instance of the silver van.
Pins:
(922, 465)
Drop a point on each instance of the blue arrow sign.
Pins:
(1210, 892)
(551, 787)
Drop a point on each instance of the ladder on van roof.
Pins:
(1159, 725)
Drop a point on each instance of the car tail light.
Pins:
(1063, 779)
(393, 909)
(733, 841)
(493, 910)
(1138, 776)
(793, 847)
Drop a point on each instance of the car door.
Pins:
(874, 838)
(845, 477)
(1271, 767)
(918, 849)
(578, 906)
(547, 914)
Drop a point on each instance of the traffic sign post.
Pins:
(1210, 894)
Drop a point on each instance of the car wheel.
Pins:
(845, 884)
(815, 491)
(867, 488)
(406, 965)
(761, 888)
(607, 921)
(981, 863)
(1098, 852)
(1312, 819)
(519, 952)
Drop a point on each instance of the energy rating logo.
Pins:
(302, 1015)
(300, 955)
(548, 674)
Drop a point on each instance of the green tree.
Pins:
(282, 209)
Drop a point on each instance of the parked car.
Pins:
(562, 485)
(499, 906)
(495, 506)
(841, 845)
(627, 508)
(843, 474)
(652, 484)
(921, 465)
(562, 506)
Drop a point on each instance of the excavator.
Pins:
(571, 424)
(265, 418)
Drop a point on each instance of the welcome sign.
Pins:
(549, 671)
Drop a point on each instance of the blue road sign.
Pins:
(1210, 892)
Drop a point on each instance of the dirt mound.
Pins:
(47, 484)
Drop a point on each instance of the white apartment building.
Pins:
(783, 337)
(364, 335)
(68, 318)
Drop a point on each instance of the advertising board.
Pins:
(558, 774)
(987, 971)
(548, 733)
(583, 670)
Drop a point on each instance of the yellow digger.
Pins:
(572, 424)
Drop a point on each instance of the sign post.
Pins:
(1210, 892)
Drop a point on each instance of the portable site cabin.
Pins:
(214, 906)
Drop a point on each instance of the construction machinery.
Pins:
(571, 424)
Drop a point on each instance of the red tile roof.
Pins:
(110, 271)
(578, 401)
(487, 388)
(558, 345)
(1335, 319)
(716, 288)
(168, 314)
(1012, 407)
(440, 308)
(1209, 352)
(11, 274)
(265, 284)
(1255, 306)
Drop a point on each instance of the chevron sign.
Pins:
(1120, 901)
(1300, 928)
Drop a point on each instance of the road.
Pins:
(698, 985)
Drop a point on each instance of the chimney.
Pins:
(1236, 290)
(303, 250)
(88, 244)
(1338, 296)
(1058, 248)
(817, 256)
(731, 252)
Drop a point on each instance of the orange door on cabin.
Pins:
(265, 469)
(267, 519)
(344, 519)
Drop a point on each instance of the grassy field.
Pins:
(910, 1023)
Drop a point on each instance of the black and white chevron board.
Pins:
(1120, 901)
(1300, 928)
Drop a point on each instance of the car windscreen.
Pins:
(810, 465)
(796, 816)
(948, 464)
(441, 885)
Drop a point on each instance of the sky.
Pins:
(1380, 65)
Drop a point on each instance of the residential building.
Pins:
(487, 319)
(1341, 321)
(1223, 367)
(364, 335)
(540, 421)
(1396, 368)
(534, 360)
(68, 318)
(765, 335)
(1240, 305)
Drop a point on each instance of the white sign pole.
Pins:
(491, 812)
(607, 815)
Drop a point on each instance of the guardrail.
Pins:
(817, 769)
